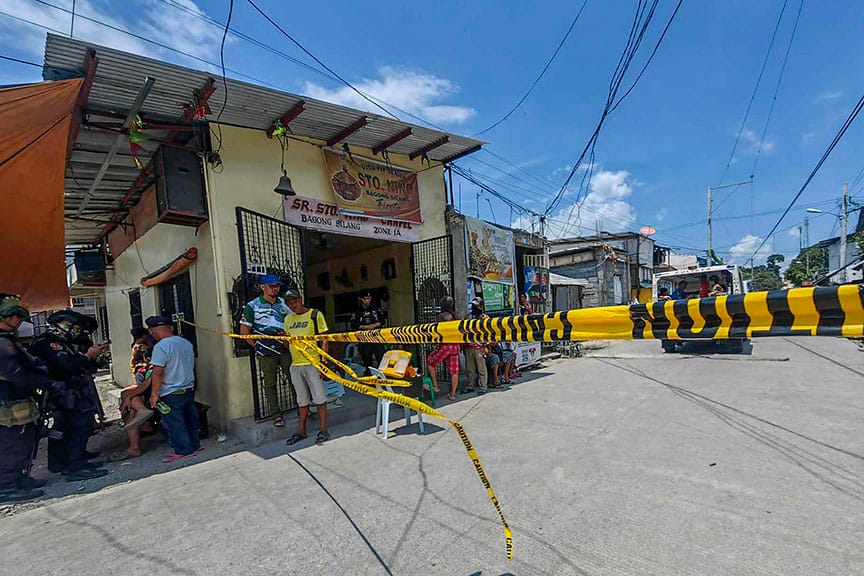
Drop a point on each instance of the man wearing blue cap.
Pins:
(266, 315)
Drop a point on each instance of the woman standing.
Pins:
(525, 306)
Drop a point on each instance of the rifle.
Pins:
(41, 424)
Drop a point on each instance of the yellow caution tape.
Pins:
(309, 351)
(366, 385)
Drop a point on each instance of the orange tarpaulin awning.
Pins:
(35, 122)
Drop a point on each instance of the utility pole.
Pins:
(844, 214)
(807, 246)
(709, 252)
(709, 248)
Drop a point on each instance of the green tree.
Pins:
(809, 264)
(767, 276)
(712, 257)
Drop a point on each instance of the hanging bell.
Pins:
(284, 186)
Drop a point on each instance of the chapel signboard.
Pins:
(326, 217)
(365, 187)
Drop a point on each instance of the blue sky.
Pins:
(463, 65)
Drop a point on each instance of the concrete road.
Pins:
(627, 462)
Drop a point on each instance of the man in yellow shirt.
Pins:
(305, 378)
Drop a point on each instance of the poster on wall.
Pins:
(493, 296)
(490, 251)
(325, 217)
(537, 287)
(370, 188)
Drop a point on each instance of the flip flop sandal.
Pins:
(322, 437)
(451, 397)
(297, 437)
(279, 422)
(124, 455)
(175, 458)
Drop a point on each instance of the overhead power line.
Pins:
(755, 91)
(320, 63)
(264, 46)
(247, 38)
(849, 120)
(641, 21)
(777, 88)
(224, 78)
(539, 76)
(19, 61)
(219, 65)
(215, 65)
(770, 110)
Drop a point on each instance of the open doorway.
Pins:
(342, 267)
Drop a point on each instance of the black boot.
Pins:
(85, 474)
(91, 455)
(10, 495)
(28, 483)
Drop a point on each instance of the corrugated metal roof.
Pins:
(561, 280)
(119, 77)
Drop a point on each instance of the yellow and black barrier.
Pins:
(821, 311)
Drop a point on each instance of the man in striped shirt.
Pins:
(266, 315)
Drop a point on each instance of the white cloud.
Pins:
(562, 170)
(750, 137)
(415, 92)
(808, 137)
(829, 95)
(744, 248)
(606, 202)
(795, 232)
(154, 20)
(661, 214)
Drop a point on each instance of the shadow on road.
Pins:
(832, 473)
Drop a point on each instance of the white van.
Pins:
(727, 275)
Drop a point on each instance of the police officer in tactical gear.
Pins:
(72, 404)
(368, 317)
(20, 376)
(83, 341)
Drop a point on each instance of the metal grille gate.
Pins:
(268, 246)
(432, 264)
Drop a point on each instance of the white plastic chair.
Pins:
(382, 416)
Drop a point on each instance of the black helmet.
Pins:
(84, 323)
(10, 305)
(74, 318)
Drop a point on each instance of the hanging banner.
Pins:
(490, 251)
(365, 187)
(325, 217)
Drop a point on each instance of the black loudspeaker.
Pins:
(180, 195)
